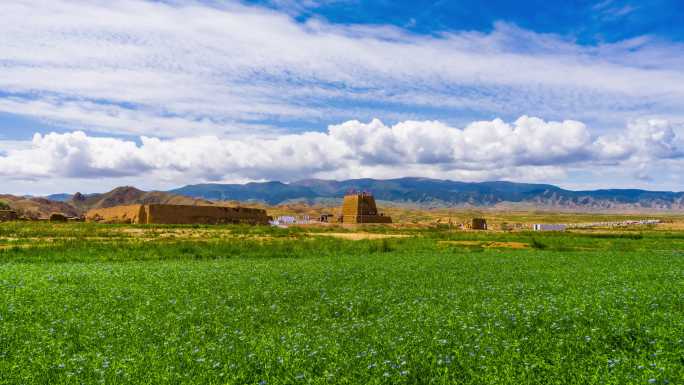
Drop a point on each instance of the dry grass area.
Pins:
(524, 219)
(408, 216)
(677, 225)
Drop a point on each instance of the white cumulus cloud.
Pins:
(481, 150)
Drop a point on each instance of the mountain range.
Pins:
(443, 193)
(418, 192)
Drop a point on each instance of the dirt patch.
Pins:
(358, 236)
(24, 246)
(132, 231)
(488, 244)
(195, 234)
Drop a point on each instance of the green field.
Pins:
(87, 304)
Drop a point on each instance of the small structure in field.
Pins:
(548, 227)
(58, 217)
(8, 215)
(287, 220)
(284, 220)
(478, 224)
(178, 214)
(361, 208)
(326, 218)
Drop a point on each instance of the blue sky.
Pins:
(584, 94)
(588, 22)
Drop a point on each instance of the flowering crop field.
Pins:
(87, 304)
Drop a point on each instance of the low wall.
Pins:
(8, 215)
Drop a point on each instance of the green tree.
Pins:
(4, 205)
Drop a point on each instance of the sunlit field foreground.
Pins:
(86, 304)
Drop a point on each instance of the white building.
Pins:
(548, 227)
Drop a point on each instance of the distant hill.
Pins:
(59, 197)
(443, 193)
(128, 195)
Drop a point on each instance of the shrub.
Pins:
(381, 246)
(537, 244)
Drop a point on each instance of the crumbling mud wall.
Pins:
(361, 208)
(118, 214)
(8, 215)
(178, 214)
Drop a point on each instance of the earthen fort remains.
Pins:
(177, 214)
(360, 208)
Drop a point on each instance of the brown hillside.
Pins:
(41, 208)
(38, 208)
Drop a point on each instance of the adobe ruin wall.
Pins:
(177, 214)
(118, 214)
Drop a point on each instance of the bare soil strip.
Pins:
(359, 236)
(488, 245)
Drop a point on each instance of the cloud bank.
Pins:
(527, 146)
(188, 91)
